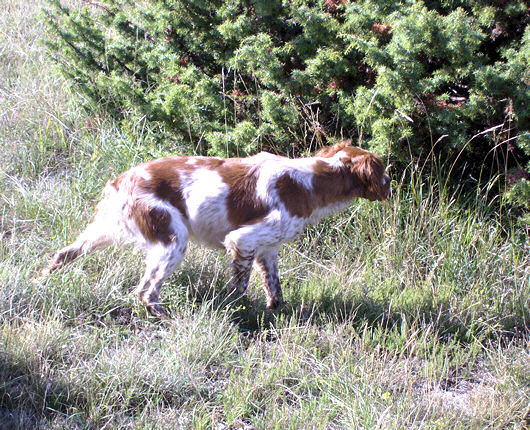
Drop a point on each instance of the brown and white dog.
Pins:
(249, 206)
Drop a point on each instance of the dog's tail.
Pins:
(107, 228)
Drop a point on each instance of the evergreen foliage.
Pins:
(405, 78)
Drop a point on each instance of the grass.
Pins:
(408, 314)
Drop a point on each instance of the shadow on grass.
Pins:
(198, 284)
(32, 399)
(29, 400)
(360, 310)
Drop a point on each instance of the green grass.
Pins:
(413, 313)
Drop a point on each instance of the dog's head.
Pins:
(366, 169)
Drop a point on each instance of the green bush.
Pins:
(233, 77)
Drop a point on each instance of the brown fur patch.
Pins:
(346, 146)
(370, 171)
(361, 176)
(165, 181)
(117, 180)
(165, 178)
(153, 223)
(64, 256)
(296, 198)
(330, 151)
(329, 185)
(367, 169)
(243, 206)
(242, 203)
(332, 185)
(209, 162)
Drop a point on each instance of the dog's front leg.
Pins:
(241, 267)
(259, 241)
(266, 265)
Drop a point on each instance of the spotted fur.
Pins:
(248, 206)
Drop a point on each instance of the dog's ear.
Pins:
(370, 168)
(369, 171)
(330, 151)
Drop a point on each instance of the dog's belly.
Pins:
(208, 223)
(211, 236)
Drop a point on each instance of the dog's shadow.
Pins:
(251, 316)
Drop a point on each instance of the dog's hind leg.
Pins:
(165, 251)
(94, 237)
(161, 261)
